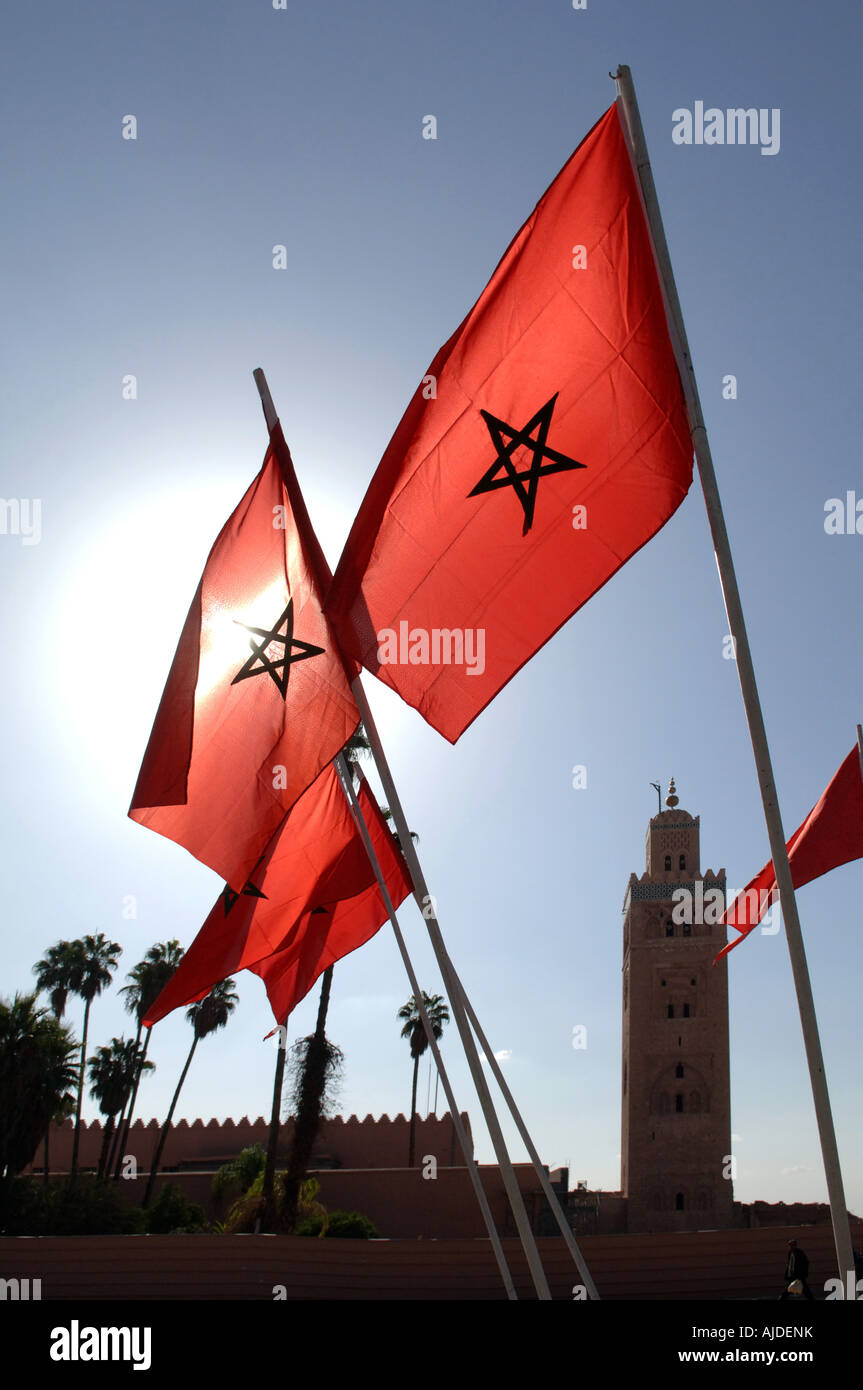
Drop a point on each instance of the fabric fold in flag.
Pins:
(546, 444)
(257, 700)
(315, 861)
(831, 835)
(333, 932)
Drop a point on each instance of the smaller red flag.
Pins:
(257, 700)
(832, 834)
(315, 861)
(332, 931)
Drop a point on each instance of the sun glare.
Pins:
(227, 643)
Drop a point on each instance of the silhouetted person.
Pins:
(796, 1268)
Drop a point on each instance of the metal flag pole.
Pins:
(631, 120)
(359, 819)
(860, 747)
(425, 903)
(551, 1196)
(424, 900)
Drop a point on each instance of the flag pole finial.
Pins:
(269, 409)
(672, 799)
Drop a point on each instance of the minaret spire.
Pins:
(672, 799)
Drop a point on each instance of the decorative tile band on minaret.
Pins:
(676, 1165)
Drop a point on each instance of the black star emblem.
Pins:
(526, 481)
(230, 897)
(278, 669)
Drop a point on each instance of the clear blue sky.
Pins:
(154, 258)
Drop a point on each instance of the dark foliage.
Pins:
(172, 1213)
(28, 1208)
(344, 1225)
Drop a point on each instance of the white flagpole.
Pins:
(841, 1230)
(359, 819)
(425, 902)
(860, 747)
(551, 1196)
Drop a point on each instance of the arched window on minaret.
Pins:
(683, 861)
(667, 862)
(678, 1070)
(678, 1104)
(669, 929)
(671, 1011)
(678, 1202)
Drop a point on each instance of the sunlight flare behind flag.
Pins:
(257, 700)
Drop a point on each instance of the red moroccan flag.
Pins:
(315, 860)
(257, 701)
(832, 834)
(333, 931)
(547, 443)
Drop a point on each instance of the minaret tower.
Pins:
(676, 1133)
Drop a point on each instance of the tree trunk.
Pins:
(74, 1169)
(268, 1216)
(412, 1140)
(47, 1173)
(308, 1116)
(122, 1142)
(106, 1139)
(118, 1133)
(157, 1157)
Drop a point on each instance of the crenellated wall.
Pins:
(341, 1143)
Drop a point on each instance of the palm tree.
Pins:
(146, 981)
(317, 1062)
(388, 816)
(206, 1017)
(94, 959)
(112, 1074)
(414, 1031)
(37, 1074)
(356, 747)
(239, 1174)
(55, 974)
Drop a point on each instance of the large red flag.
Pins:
(832, 834)
(257, 701)
(315, 861)
(547, 443)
